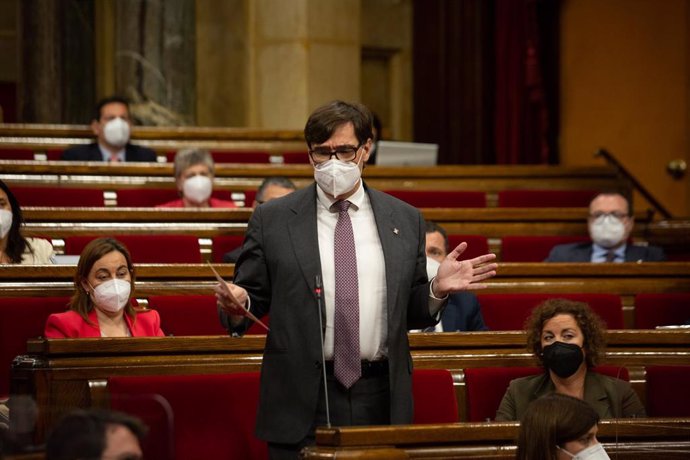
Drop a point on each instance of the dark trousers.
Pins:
(367, 402)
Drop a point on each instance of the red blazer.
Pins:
(69, 325)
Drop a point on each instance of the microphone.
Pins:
(318, 291)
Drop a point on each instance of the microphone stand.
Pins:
(318, 290)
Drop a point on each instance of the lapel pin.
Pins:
(396, 231)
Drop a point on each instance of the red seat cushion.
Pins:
(667, 391)
(23, 318)
(545, 198)
(441, 198)
(486, 386)
(231, 156)
(193, 416)
(662, 309)
(434, 396)
(151, 197)
(296, 157)
(225, 243)
(58, 196)
(148, 249)
(477, 245)
(507, 312)
(533, 248)
(188, 314)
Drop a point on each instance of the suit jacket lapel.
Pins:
(304, 236)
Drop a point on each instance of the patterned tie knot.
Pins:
(342, 205)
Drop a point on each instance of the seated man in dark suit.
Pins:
(463, 312)
(111, 124)
(610, 223)
(270, 189)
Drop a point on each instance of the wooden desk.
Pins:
(624, 439)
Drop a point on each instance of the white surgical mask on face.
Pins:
(593, 452)
(116, 132)
(197, 189)
(607, 231)
(113, 295)
(431, 267)
(337, 177)
(5, 222)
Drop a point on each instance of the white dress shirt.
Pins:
(107, 155)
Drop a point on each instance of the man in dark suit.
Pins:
(463, 312)
(610, 223)
(368, 249)
(112, 125)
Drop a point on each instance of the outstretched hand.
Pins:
(458, 275)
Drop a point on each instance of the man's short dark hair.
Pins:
(278, 181)
(625, 196)
(106, 101)
(82, 433)
(323, 122)
(432, 227)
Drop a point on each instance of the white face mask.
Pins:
(431, 267)
(594, 452)
(113, 295)
(337, 177)
(607, 231)
(116, 132)
(197, 189)
(5, 222)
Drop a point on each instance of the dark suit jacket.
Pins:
(582, 252)
(610, 397)
(462, 313)
(278, 265)
(70, 325)
(231, 257)
(91, 152)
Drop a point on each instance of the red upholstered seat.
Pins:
(225, 243)
(151, 197)
(148, 249)
(232, 156)
(663, 309)
(507, 312)
(545, 198)
(296, 157)
(23, 318)
(193, 416)
(434, 396)
(441, 198)
(29, 154)
(668, 392)
(533, 248)
(477, 245)
(58, 196)
(188, 314)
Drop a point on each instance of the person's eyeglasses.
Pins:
(342, 153)
(616, 214)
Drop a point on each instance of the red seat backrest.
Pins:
(188, 314)
(296, 157)
(231, 156)
(662, 309)
(667, 391)
(477, 245)
(225, 243)
(533, 248)
(148, 249)
(151, 197)
(193, 416)
(545, 198)
(508, 312)
(29, 154)
(441, 198)
(58, 196)
(23, 318)
(434, 396)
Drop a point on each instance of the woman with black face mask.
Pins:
(567, 339)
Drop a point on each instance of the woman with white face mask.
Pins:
(101, 305)
(14, 248)
(559, 427)
(194, 171)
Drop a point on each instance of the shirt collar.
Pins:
(107, 155)
(599, 252)
(357, 198)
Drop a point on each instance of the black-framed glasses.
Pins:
(341, 152)
(616, 214)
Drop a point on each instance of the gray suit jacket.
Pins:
(582, 252)
(278, 266)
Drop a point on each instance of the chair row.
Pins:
(149, 197)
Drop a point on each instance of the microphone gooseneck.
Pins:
(318, 291)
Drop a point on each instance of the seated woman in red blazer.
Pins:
(100, 306)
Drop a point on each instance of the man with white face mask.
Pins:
(362, 252)
(194, 173)
(112, 126)
(610, 223)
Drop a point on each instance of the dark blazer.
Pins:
(278, 265)
(70, 325)
(582, 252)
(231, 257)
(91, 152)
(462, 313)
(610, 397)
